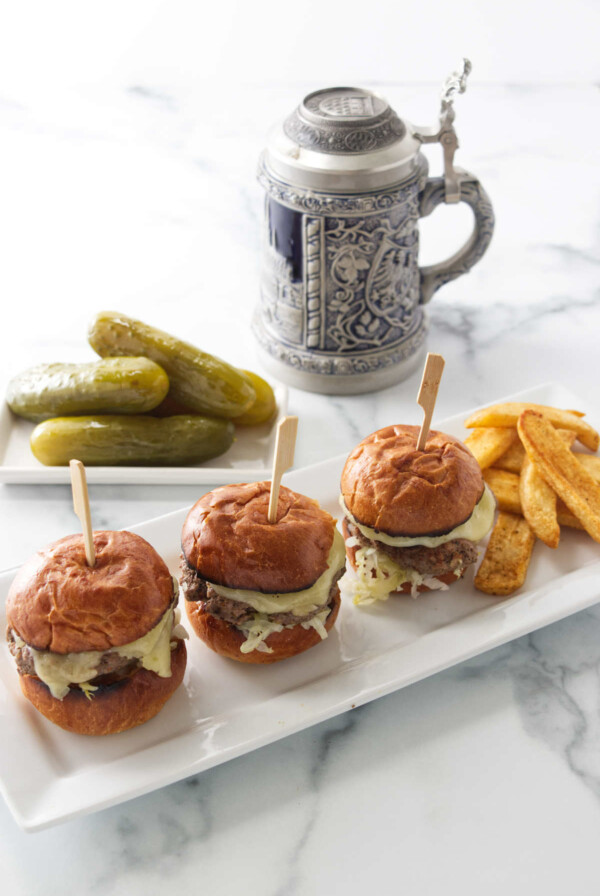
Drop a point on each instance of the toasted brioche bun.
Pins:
(228, 539)
(114, 707)
(59, 603)
(226, 640)
(448, 578)
(391, 487)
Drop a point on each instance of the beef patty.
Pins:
(236, 612)
(452, 556)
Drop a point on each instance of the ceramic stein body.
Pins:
(342, 294)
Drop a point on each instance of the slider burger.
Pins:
(257, 591)
(412, 519)
(98, 649)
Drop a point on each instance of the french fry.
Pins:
(561, 469)
(504, 566)
(538, 504)
(512, 459)
(505, 487)
(538, 499)
(507, 415)
(565, 517)
(591, 462)
(488, 443)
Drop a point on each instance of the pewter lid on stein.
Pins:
(343, 138)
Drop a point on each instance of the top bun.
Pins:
(228, 539)
(59, 603)
(391, 487)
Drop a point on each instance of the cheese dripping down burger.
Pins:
(257, 591)
(412, 519)
(98, 649)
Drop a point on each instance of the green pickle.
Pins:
(109, 386)
(199, 381)
(119, 440)
(265, 405)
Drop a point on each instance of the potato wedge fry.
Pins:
(591, 462)
(508, 414)
(538, 499)
(512, 459)
(538, 504)
(488, 443)
(561, 469)
(505, 487)
(504, 566)
(565, 517)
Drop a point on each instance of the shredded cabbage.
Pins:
(261, 627)
(377, 576)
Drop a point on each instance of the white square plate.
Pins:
(225, 709)
(249, 458)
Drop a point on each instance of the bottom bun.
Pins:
(112, 708)
(448, 578)
(226, 640)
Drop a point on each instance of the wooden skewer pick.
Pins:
(434, 365)
(81, 506)
(284, 458)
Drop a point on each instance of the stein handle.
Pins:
(434, 193)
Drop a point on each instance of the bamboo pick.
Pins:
(432, 375)
(81, 506)
(284, 458)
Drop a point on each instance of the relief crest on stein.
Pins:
(342, 293)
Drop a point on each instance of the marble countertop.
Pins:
(484, 776)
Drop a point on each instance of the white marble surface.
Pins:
(486, 776)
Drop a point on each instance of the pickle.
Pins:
(110, 386)
(198, 381)
(261, 411)
(119, 440)
(264, 405)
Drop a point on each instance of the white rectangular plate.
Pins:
(249, 458)
(225, 709)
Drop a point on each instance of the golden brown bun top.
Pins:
(59, 603)
(228, 539)
(390, 486)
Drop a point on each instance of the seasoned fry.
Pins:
(504, 566)
(488, 443)
(565, 517)
(512, 459)
(508, 414)
(505, 487)
(591, 462)
(561, 469)
(538, 504)
(538, 499)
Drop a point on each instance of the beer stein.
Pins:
(342, 295)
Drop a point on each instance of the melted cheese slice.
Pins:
(473, 529)
(298, 602)
(153, 650)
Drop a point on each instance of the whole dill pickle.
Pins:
(119, 440)
(109, 386)
(198, 381)
(264, 406)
